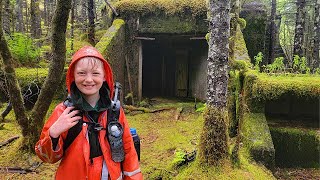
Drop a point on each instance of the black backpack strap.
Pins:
(72, 134)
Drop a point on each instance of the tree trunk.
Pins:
(31, 127)
(272, 32)
(25, 5)
(59, 26)
(316, 61)
(91, 27)
(72, 24)
(299, 29)
(35, 19)
(84, 18)
(213, 142)
(19, 16)
(6, 17)
(11, 81)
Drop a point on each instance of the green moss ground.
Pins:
(160, 135)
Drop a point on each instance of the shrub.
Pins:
(300, 65)
(23, 50)
(257, 60)
(276, 66)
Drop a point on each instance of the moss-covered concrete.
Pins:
(166, 16)
(240, 48)
(178, 7)
(296, 147)
(255, 14)
(172, 24)
(112, 47)
(261, 87)
(256, 136)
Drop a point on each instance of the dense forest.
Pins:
(241, 76)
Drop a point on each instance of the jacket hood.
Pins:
(89, 51)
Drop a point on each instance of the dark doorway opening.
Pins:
(171, 64)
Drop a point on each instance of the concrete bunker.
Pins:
(174, 66)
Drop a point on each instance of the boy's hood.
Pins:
(88, 51)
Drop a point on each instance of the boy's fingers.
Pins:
(68, 109)
(73, 113)
(75, 119)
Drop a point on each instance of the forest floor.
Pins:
(163, 137)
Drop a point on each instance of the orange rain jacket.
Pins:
(75, 162)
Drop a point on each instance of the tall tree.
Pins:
(213, 142)
(83, 15)
(272, 31)
(19, 16)
(35, 19)
(31, 124)
(91, 26)
(299, 29)
(6, 17)
(316, 62)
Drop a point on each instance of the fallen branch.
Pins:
(15, 170)
(146, 110)
(8, 141)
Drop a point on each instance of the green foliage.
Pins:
(317, 71)
(242, 22)
(300, 65)
(201, 108)
(240, 65)
(276, 66)
(179, 158)
(23, 50)
(257, 60)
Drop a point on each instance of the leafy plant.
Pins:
(257, 60)
(300, 64)
(23, 50)
(276, 66)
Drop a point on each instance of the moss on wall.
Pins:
(240, 48)
(296, 147)
(261, 87)
(112, 45)
(171, 24)
(178, 7)
(256, 137)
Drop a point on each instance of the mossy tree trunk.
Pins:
(299, 28)
(271, 53)
(213, 142)
(35, 19)
(316, 49)
(19, 21)
(91, 26)
(31, 125)
(6, 16)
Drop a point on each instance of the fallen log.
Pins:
(146, 110)
(8, 141)
(15, 170)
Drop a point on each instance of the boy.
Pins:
(88, 155)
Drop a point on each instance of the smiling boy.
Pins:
(88, 155)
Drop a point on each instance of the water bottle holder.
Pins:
(116, 143)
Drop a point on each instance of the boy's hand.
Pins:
(66, 120)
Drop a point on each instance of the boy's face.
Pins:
(89, 77)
